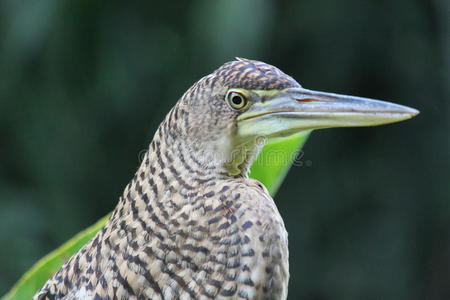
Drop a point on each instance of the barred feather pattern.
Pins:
(184, 228)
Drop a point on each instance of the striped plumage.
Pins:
(184, 228)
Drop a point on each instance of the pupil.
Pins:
(237, 100)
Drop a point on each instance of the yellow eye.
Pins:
(236, 100)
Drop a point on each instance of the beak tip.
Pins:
(411, 112)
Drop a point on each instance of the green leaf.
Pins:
(35, 278)
(275, 160)
(270, 168)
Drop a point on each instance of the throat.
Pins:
(242, 156)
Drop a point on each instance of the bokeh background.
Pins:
(84, 84)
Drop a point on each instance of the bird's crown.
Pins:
(242, 73)
(252, 75)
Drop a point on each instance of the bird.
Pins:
(191, 224)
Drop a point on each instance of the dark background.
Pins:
(84, 84)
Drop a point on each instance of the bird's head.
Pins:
(228, 112)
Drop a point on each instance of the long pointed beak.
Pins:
(298, 109)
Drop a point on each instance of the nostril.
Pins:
(305, 100)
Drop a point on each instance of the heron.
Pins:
(191, 224)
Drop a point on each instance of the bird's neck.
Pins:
(173, 167)
(174, 163)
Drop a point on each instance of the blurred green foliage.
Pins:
(32, 281)
(83, 85)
